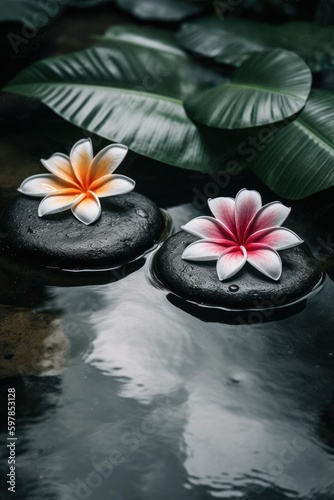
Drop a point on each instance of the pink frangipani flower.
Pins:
(242, 230)
(78, 181)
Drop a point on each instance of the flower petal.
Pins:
(87, 210)
(203, 250)
(278, 238)
(81, 156)
(106, 161)
(41, 185)
(230, 262)
(223, 209)
(60, 165)
(112, 185)
(265, 259)
(210, 228)
(55, 203)
(270, 215)
(247, 204)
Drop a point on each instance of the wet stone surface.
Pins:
(129, 226)
(198, 281)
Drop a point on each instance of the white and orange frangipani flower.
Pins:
(242, 230)
(78, 181)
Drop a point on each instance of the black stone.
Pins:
(128, 227)
(248, 289)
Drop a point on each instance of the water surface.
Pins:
(158, 403)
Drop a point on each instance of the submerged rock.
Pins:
(129, 226)
(31, 343)
(249, 289)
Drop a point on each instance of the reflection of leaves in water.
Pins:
(28, 459)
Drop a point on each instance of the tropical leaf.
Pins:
(161, 10)
(28, 12)
(234, 40)
(298, 160)
(161, 41)
(266, 88)
(157, 39)
(36, 15)
(128, 94)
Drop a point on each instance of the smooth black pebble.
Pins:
(129, 226)
(248, 289)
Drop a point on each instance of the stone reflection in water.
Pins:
(246, 429)
(31, 343)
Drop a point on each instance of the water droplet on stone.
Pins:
(141, 213)
(73, 234)
(233, 288)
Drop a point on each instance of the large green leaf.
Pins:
(29, 12)
(161, 10)
(162, 41)
(232, 41)
(298, 160)
(266, 88)
(157, 39)
(35, 14)
(127, 94)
